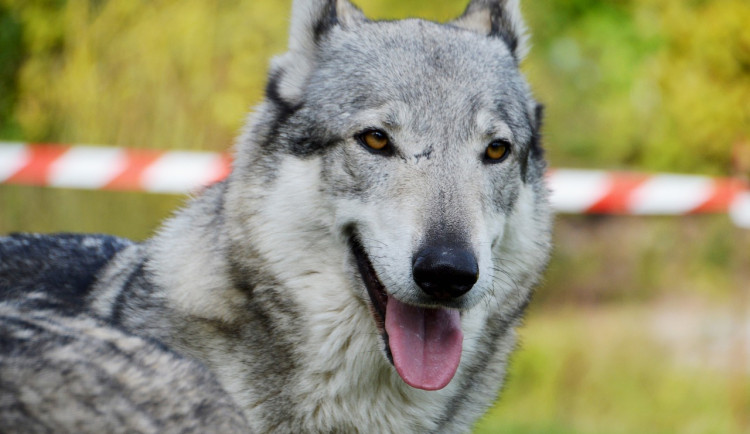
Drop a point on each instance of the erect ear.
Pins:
(497, 18)
(311, 21)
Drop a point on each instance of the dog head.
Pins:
(427, 138)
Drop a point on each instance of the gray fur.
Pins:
(77, 374)
(255, 279)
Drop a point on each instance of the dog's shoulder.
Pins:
(55, 269)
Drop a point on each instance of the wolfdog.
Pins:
(362, 269)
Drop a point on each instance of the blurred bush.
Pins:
(646, 84)
(11, 47)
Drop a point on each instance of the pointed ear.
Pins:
(312, 19)
(500, 19)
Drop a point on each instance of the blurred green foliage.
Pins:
(10, 62)
(645, 84)
(605, 371)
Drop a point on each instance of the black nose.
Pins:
(445, 272)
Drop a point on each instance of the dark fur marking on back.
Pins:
(82, 387)
(10, 341)
(120, 302)
(60, 267)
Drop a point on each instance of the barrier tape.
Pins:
(573, 191)
(104, 168)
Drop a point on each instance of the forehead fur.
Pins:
(423, 65)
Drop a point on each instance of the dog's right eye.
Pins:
(497, 151)
(375, 140)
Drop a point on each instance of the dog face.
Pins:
(433, 127)
(427, 137)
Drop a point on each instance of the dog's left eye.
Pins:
(375, 140)
(497, 151)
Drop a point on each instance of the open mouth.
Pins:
(423, 344)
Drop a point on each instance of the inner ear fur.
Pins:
(500, 19)
(311, 21)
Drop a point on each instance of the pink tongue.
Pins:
(425, 343)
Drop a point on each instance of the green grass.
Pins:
(131, 215)
(601, 370)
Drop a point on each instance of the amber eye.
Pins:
(375, 140)
(497, 151)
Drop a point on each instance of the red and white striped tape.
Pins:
(103, 168)
(573, 191)
(600, 192)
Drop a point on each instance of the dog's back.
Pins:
(63, 370)
(53, 270)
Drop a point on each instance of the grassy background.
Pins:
(642, 324)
